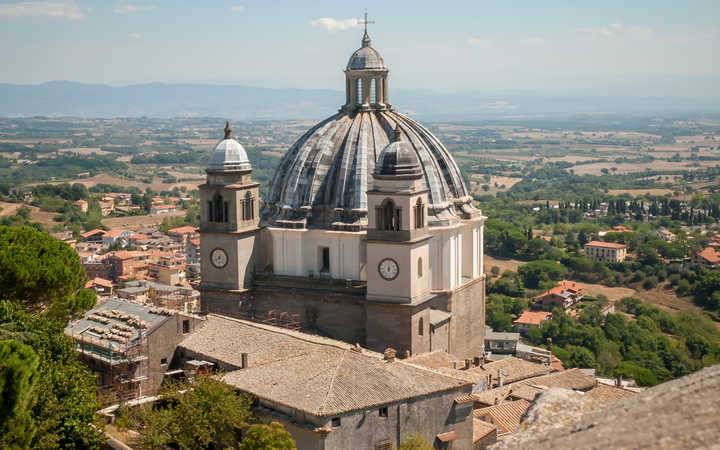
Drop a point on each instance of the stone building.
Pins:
(129, 346)
(605, 251)
(329, 394)
(356, 211)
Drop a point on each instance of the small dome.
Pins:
(366, 57)
(229, 154)
(398, 159)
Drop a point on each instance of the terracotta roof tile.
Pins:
(605, 244)
(533, 317)
(505, 415)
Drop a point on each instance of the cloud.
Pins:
(132, 9)
(332, 25)
(480, 42)
(610, 31)
(238, 8)
(135, 35)
(60, 9)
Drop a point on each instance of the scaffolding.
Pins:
(121, 367)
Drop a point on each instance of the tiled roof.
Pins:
(562, 287)
(87, 234)
(608, 393)
(505, 415)
(515, 368)
(99, 281)
(433, 360)
(709, 254)
(605, 244)
(316, 375)
(482, 429)
(527, 389)
(533, 317)
(114, 233)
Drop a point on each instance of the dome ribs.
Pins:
(277, 193)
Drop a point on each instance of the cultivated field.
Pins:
(503, 264)
(104, 178)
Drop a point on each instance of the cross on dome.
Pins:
(366, 37)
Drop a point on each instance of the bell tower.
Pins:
(228, 227)
(398, 251)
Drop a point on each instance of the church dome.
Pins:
(229, 154)
(398, 160)
(366, 57)
(323, 179)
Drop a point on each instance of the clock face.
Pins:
(388, 269)
(218, 258)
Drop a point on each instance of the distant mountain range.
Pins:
(63, 98)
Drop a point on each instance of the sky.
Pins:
(609, 47)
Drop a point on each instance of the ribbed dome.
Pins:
(324, 177)
(229, 154)
(366, 57)
(398, 159)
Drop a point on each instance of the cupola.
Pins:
(229, 155)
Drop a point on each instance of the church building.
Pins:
(367, 233)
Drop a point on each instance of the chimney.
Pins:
(455, 365)
(490, 381)
(476, 361)
(468, 364)
(244, 359)
(549, 344)
(618, 381)
(389, 354)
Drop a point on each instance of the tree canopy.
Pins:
(18, 381)
(273, 436)
(41, 272)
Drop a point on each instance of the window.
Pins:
(373, 92)
(248, 206)
(421, 327)
(419, 267)
(388, 216)
(383, 412)
(419, 214)
(335, 422)
(359, 93)
(218, 209)
(186, 326)
(163, 362)
(325, 259)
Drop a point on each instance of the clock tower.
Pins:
(228, 227)
(398, 251)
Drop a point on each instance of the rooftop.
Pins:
(679, 414)
(184, 230)
(709, 254)
(309, 373)
(505, 415)
(533, 317)
(605, 244)
(563, 287)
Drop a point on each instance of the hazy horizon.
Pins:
(645, 49)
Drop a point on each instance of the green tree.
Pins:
(195, 415)
(41, 272)
(415, 442)
(64, 412)
(18, 380)
(273, 436)
(535, 272)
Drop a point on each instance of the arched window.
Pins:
(373, 92)
(387, 216)
(419, 267)
(421, 327)
(359, 92)
(219, 209)
(248, 206)
(419, 214)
